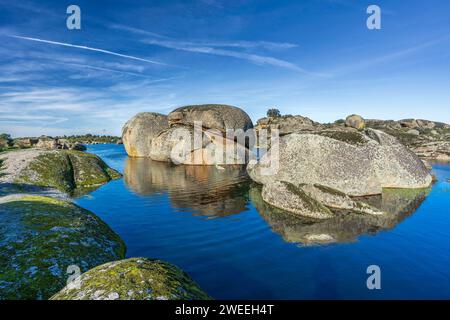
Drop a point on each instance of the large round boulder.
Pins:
(138, 132)
(134, 279)
(353, 162)
(41, 237)
(182, 144)
(212, 116)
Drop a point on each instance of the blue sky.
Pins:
(313, 58)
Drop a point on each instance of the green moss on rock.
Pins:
(134, 279)
(350, 137)
(41, 236)
(69, 171)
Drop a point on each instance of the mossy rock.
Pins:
(134, 279)
(347, 136)
(70, 171)
(40, 237)
(291, 198)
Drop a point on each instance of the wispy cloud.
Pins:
(88, 48)
(269, 45)
(215, 48)
(386, 58)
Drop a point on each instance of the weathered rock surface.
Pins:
(212, 116)
(134, 279)
(66, 170)
(312, 201)
(287, 124)
(180, 145)
(353, 162)
(287, 196)
(41, 237)
(355, 121)
(138, 132)
(428, 139)
(335, 199)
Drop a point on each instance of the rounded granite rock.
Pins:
(353, 162)
(212, 116)
(134, 279)
(355, 121)
(40, 237)
(138, 132)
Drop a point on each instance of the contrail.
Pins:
(88, 48)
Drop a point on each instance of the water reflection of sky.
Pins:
(249, 250)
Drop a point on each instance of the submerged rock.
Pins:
(40, 237)
(69, 171)
(138, 132)
(134, 279)
(355, 163)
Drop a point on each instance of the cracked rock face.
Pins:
(134, 279)
(40, 237)
(355, 163)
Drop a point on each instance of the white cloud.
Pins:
(89, 48)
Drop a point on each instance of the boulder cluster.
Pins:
(49, 144)
(311, 170)
(196, 135)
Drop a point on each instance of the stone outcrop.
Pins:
(134, 279)
(287, 124)
(428, 139)
(291, 198)
(138, 132)
(70, 171)
(212, 116)
(198, 135)
(355, 121)
(178, 145)
(41, 237)
(355, 163)
(312, 201)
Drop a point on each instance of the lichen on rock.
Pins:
(40, 237)
(134, 279)
(70, 171)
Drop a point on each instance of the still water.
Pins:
(213, 224)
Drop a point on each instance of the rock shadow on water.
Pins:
(206, 190)
(345, 227)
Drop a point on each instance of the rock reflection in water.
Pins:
(208, 190)
(346, 226)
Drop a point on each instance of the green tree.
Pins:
(273, 113)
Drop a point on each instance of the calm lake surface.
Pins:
(213, 224)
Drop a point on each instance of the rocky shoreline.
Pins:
(45, 237)
(326, 177)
